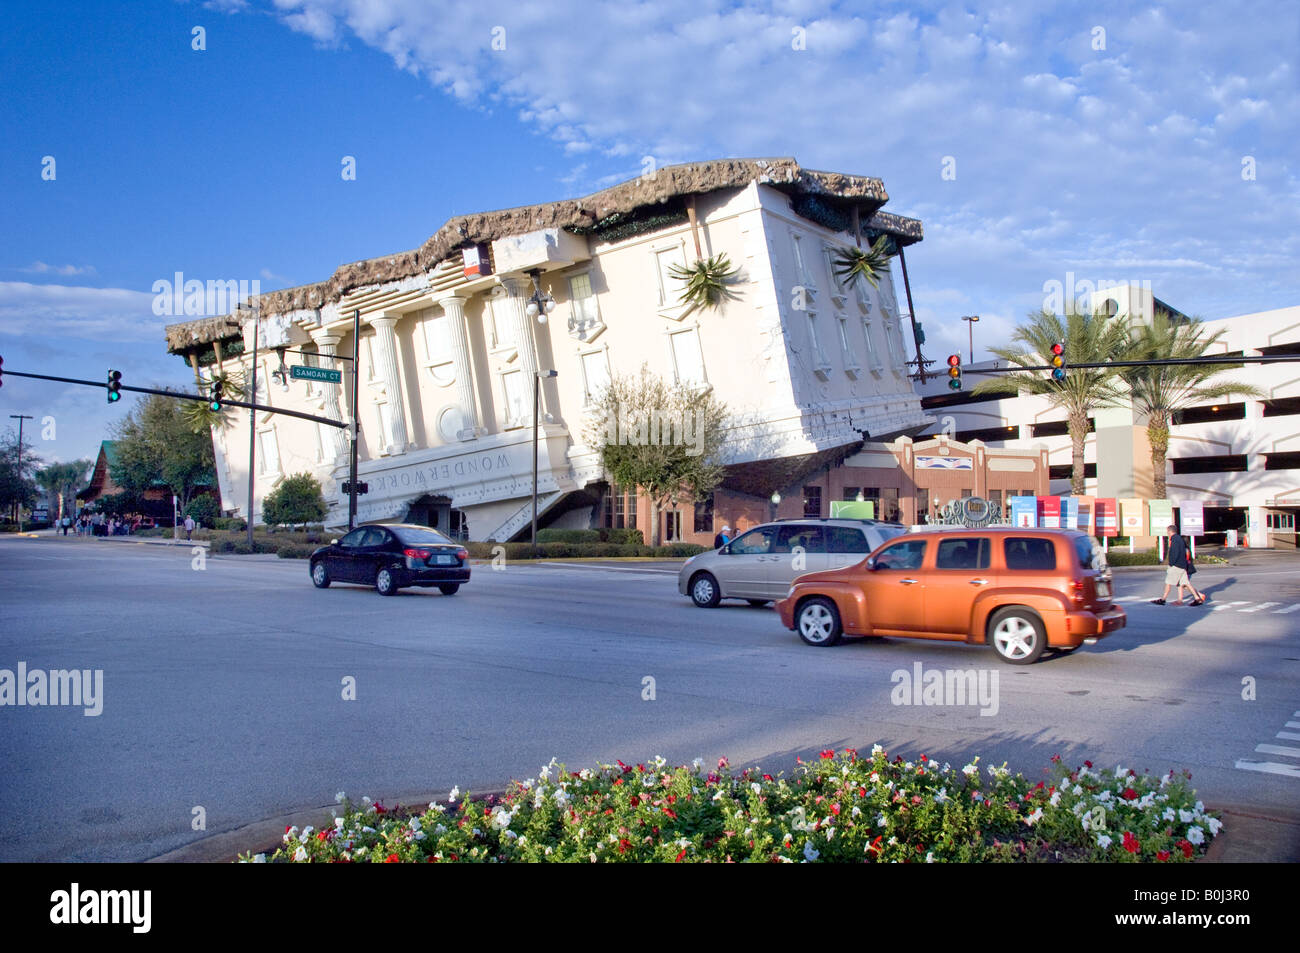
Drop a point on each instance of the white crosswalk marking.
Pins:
(1262, 605)
(1293, 724)
(1270, 767)
(1219, 607)
(1287, 736)
(1294, 607)
(1278, 749)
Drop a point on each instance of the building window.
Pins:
(819, 355)
(438, 348)
(1281, 406)
(512, 389)
(672, 526)
(1225, 463)
(889, 504)
(618, 508)
(584, 316)
(873, 356)
(1282, 461)
(1057, 428)
(497, 322)
(704, 515)
(995, 497)
(922, 504)
(812, 501)
(851, 492)
(688, 359)
(268, 456)
(595, 375)
(670, 288)
(369, 345)
(987, 434)
(1209, 414)
(312, 359)
(800, 266)
(1065, 471)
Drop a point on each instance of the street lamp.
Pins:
(775, 501)
(537, 387)
(540, 304)
(970, 326)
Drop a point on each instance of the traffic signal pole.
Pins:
(356, 424)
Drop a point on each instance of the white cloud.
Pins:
(53, 311)
(41, 268)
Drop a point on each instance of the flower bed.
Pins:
(842, 807)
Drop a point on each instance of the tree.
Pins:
(199, 415)
(664, 440)
(17, 477)
(1158, 391)
(853, 264)
(707, 283)
(1088, 338)
(298, 499)
(62, 480)
(157, 444)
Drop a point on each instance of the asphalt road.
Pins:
(223, 689)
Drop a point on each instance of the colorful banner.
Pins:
(853, 509)
(1070, 512)
(1106, 516)
(1191, 514)
(1132, 518)
(1049, 512)
(1162, 516)
(1087, 508)
(1024, 511)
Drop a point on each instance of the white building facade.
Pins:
(449, 354)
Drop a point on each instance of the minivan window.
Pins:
(756, 542)
(1026, 553)
(846, 539)
(1091, 555)
(801, 536)
(963, 554)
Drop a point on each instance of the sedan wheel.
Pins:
(818, 622)
(449, 589)
(705, 592)
(320, 576)
(1017, 635)
(386, 582)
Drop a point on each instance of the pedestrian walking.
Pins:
(723, 537)
(1176, 575)
(66, 522)
(189, 526)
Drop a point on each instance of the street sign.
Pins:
(300, 373)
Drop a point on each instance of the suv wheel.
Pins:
(1017, 635)
(705, 592)
(818, 622)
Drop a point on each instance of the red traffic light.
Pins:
(954, 360)
(1058, 348)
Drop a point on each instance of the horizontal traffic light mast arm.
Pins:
(171, 393)
(1162, 362)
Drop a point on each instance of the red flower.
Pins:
(623, 844)
(618, 781)
(1056, 759)
(767, 777)
(875, 844)
(862, 792)
(634, 800)
(670, 813)
(680, 856)
(323, 835)
(1162, 855)
(835, 809)
(1131, 843)
(1129, 794)
(286, 829)
(392, 859)
(1186, 847)
(1087, 764)
(827, 754)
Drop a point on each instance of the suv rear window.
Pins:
(1091, 555)
(1026, 553)
(410, 536)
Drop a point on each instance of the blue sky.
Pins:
(1094, 138)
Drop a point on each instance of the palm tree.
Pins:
(1158, 391)
(707, 283)
(62, 480)
(852, 264)
(1088, 338)
(199, 414)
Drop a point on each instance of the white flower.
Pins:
(718, 796)
(414, 823)
(585, 774)
(648, 781)
(560, 795)
(977, 797)
(1103, 841)
(1121, 772)
(929, 858)
(1168, 815)
(756, 788)
(306, 832)
(1035, 817)
(784, 840)
(1214, 824)
(501, 817)
(1196, 835)
(856, 812)
(880, 820)
(970, 770)
(365, 800)
(419, 835)
(809, 852)
(942, 796)
(697, 763)
(1055, 799)
(876, 749)
(1186, 816)
(367, 830)
(1077, 790)
(300, 854)
(659, 761)
(338, 823)
(439, 830)
(259, 858)
(455, 793)
(340, 797)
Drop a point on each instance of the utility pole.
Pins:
(18, 507)
(252, 419)
(356, 424)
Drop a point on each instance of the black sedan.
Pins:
(390, 556)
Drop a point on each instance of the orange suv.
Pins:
(1020, 590)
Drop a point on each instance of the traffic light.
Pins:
(214, 395)
(954, 372)
(1058, 361)
(114, 385)
(2, 372)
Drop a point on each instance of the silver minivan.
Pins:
(761, 565)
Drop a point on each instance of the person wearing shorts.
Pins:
(1176, 574)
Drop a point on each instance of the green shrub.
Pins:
(1148, 557)
(226, 523)
(241, 549)
(622, 536)
(568, 536)
(294, 551)
(204, 510)
(222, 546)
(679, 549)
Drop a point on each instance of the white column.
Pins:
(519, 287)
(453, 310)
(334, 437)
(385, 355)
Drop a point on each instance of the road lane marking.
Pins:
(1220, 606)
(1278, 749)
(1270, 767)
(665, 572)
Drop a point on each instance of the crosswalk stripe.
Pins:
(1219, 607)
(1278, 749)
(1293, 724)
(1262, 605)
(1295, 606)
(1270, 767)
(1287, 736)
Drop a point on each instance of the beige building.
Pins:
(449, 352)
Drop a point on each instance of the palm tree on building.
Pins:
(1088, 339)
(1160, 391)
